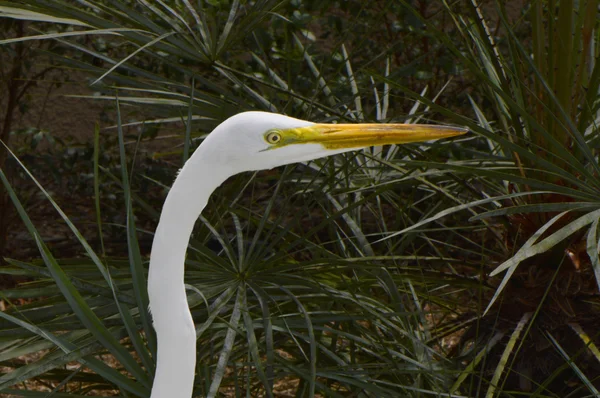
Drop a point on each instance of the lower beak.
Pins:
(341, 136)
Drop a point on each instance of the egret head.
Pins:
(262, 140)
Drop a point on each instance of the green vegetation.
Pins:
(466, 268)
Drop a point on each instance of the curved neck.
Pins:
(176, 335)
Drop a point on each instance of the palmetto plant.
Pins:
(368, 274)
(318, 305)
(537, 107)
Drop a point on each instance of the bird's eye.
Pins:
(273, 137)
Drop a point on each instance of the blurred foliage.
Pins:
(19, 75)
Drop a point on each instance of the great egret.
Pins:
(247, 141)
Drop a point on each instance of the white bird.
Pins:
(245, 142)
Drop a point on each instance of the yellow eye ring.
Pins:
(273, 137)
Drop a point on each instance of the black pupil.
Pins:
(274, 138)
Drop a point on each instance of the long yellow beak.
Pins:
(348, 136)
(339, 136)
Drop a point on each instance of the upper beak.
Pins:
(341, 136)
